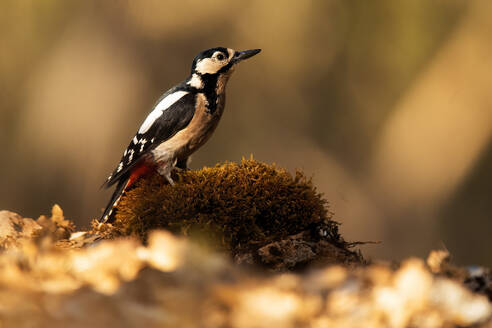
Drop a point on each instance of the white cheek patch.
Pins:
(207, 66)
(159, 109)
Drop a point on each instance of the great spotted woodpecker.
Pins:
(182, 120)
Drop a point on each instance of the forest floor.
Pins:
(262, 252)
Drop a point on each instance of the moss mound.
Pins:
(233, 206)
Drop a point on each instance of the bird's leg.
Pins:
(181, 165)
(165, 170)
(169, 179)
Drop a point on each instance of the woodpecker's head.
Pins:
(219, 60)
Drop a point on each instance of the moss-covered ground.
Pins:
(230, 206)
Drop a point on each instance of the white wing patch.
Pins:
(130, 158)
(143, 142)
(159, 109)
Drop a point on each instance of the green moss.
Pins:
(232, 206)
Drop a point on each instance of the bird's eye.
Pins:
(220, 57)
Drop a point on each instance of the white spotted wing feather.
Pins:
(171, 114)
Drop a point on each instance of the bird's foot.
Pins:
(165, 171)
(169, 179)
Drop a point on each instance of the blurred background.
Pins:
(387, 104)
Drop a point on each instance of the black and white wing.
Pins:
(172, 113)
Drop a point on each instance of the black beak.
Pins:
(242, 55)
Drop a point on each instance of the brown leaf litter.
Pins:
(171, 282)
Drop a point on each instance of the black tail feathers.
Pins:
(108, 215)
